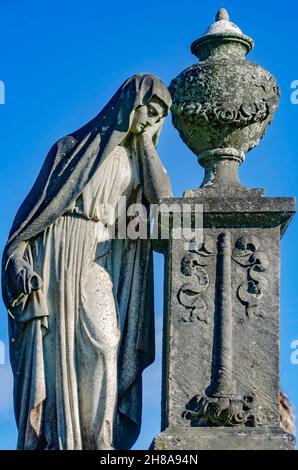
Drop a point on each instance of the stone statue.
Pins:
(80, 304)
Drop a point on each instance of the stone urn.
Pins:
(223, 104)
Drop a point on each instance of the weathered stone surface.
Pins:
(255, 211)
(80, 302)
(226, 191)
(223, 105)
(221, 330)
(287, 414)
(222, 439)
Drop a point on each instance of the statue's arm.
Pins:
(22, 276)
(156, 181)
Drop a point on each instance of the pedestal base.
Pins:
(223, 438)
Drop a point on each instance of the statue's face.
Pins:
(148, 115)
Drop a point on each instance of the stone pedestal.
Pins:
(221, 329)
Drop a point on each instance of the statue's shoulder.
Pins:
(66, 143)
(58, 151)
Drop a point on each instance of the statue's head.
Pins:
(148, 115)
(142, 101)
(150, 101)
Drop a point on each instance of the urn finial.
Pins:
(222, 38)
(223, 104)
(222, 14)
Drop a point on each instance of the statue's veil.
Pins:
(72, 160)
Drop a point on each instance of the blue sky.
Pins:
(61, 61)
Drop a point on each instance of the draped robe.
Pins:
(51, 344)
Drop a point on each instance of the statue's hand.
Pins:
(150, 131)
(26, 280)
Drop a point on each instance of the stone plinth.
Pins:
(224, 439)
(221, 328)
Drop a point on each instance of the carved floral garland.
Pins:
(246, 113)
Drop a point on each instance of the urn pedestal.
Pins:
(221, 326)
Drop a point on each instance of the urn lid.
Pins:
(222, 32)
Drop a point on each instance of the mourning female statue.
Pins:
(80, 304)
